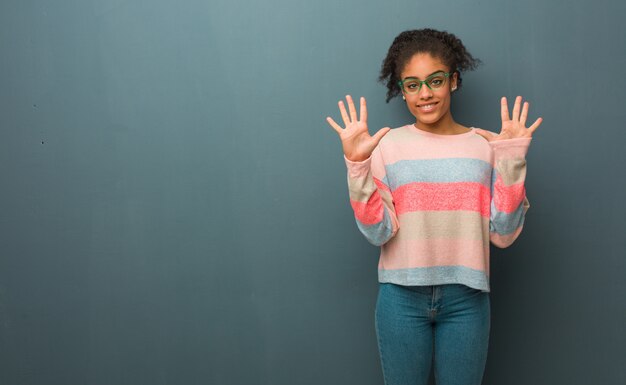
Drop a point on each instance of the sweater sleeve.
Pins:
(371, 199)
(508, 196)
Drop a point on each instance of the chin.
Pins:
(427, 121)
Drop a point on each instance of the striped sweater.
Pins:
(435, 202)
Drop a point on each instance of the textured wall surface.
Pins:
(174, 207)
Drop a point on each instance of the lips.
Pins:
(427, 107)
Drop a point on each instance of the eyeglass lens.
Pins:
(434, 82)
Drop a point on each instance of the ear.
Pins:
(453, 82)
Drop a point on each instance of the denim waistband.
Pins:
(444, 289)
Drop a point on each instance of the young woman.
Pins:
(433, 195)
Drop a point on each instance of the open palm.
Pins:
(514, 126)
(356, 141)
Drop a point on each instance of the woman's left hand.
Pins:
(514, 127)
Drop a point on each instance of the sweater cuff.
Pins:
(357, 169)
(510, 148)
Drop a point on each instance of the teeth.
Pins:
(427, 106)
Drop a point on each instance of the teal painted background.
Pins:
(174, 208)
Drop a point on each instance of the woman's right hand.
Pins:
(357, 143)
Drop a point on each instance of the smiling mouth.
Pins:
(427, 107)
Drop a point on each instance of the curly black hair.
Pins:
(439, 44)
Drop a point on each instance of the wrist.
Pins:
(356, 159)
(510, 148)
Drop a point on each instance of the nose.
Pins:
(425, 92)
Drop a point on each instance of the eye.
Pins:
(437, 82)
(411, 85)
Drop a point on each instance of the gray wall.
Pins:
(174, 207)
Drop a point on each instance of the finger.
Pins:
(363, 110)
(516, 108)
(485, 134)
(535, 125)
(334, 125)
(524, 115)
(352, 109)
(379, 135)
(344, 114)
(504, 109)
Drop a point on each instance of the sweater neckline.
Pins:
(441, 136)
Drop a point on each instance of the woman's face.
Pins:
(431, 107)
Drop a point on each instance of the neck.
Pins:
(444, 126)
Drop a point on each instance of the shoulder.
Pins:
(397, 143)
(482, 129)
(479, 139)
(397, 136)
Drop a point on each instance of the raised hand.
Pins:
(356, 141)
(513, 127)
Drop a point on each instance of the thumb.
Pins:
(379, 135)
(485, 134)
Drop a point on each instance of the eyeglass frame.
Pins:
(422, 82)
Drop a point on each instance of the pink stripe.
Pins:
(507, 199)
(434, 252)
(357, 169)
(371, 212)
(405, 143)
(510, 148)
(442, 196)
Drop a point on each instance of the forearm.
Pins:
(509, 203)
(371, 202)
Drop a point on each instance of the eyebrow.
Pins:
(415, 77)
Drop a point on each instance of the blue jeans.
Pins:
(450, 322)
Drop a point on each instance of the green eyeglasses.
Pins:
(434, 82)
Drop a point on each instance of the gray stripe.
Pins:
(436, 275)
(506, 223)
(448, 170)
(378, 233)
